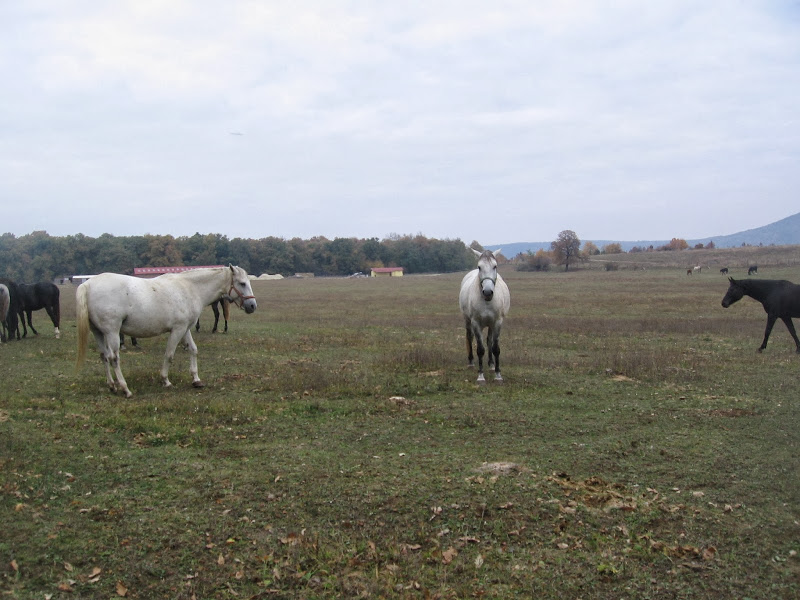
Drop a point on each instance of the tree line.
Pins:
(39, 256)
(566, 250)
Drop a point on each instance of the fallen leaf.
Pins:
(221, 560)
(15, 566)
(448, 555)
(121, 590)
(478, 561)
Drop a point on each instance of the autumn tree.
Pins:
(590, 248)
(566, 249)
(612, 248)
(677, 244)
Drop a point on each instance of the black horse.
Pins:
(724, 270)
(226, 308)
(780, 298)
(753, 269)
(14, 310)
(35, 296)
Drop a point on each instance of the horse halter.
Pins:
(240, 297)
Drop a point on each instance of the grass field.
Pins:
(639, 448)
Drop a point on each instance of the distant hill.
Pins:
(780, 233)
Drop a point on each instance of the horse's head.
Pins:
(240, 292)
(487, 273)
(734, 294)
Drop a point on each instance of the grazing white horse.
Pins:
(5, 302)
(484, 301)
(110, 304)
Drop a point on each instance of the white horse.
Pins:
(5, 302)
(110, 304)
(484, 301)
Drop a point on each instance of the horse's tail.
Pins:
(226, 309)
(82, 315)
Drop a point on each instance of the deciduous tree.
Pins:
(567, 248)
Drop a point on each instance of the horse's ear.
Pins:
(731, 280)
(477, 252)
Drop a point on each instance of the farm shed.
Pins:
(387, 272)
(156, 271)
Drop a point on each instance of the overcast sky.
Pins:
(496, 121)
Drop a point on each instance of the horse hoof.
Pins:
(498, 379)
(198, 384)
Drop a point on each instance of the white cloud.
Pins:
(366, 118)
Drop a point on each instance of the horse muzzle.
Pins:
(249, 305)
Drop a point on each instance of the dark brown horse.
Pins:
(35, 296)
(780, 299)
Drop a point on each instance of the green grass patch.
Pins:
(639, 448)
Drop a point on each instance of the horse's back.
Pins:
(141, 307)
(787, 299)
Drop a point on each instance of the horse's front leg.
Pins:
(481, 350)
(770, 322)
(174, 338)
(188, 341)
(29, 314)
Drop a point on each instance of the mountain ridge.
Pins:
(783, 232)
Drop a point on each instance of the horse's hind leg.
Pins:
(790, 327)
(215, 310)
(470, 357)
(109, 352)
(52, 314)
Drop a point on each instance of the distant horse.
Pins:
(698, 269)
(36, 296)
(110, 304)
(226, 313)
(5, 302)
(724, 270)
(688, 271)
(753, 269)
(780, 298)
(484, 300)
(11, 321)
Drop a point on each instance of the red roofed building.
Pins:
(156, 271)
(387, 272)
